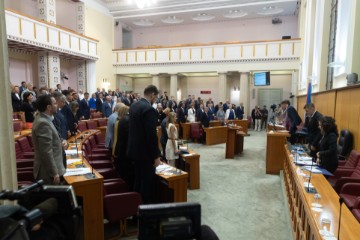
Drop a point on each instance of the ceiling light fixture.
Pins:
(235, 14)
(144, 23)
(142, 3)
(203, 17)
(271, 10)
(172, 20)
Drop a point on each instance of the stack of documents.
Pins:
(77, 171)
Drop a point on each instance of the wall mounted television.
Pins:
(261, 78)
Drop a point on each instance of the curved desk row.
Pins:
(306, 220)
(91, 192)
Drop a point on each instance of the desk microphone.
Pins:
(341, 201)
(308, 190)
(77, 151)
(90, 175)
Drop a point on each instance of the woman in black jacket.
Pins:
(27, 107)
(327, 155)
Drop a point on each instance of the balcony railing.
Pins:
(25, 30)
(208, 53)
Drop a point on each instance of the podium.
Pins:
(234, 141)
(275, 154)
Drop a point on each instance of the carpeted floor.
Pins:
(238, 200)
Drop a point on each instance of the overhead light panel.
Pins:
(235, 14)
(203, 17)
(144, 23)
(142, 3)
(172, 20)
(270, 10)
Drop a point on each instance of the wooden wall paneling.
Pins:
(325, 103)
(348, 113)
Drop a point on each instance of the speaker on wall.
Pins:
(286, 37)
(352, 78)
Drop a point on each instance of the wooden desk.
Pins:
(215, 135)
(102, 130)
(234, 141)
(243, 124)
(177, 184)
(91, 192)
(215, 123)
(305, 222)
(275, 127)
(186, 135)
(22, 133)
(275, 154)
(190, 164)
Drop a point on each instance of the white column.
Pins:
(222, 87)
(81, 76)
(294, 81)
(54, 69)
(43, 69)
(308, 47)
(91, 76)
(8, 177)
(321, 45)
(80, 18)
(49, 69)
(47, 10)
(155, 80)
(354, 47)
(173, 85)
(244, 92)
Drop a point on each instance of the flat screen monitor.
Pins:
(170, 221)
(261, 78)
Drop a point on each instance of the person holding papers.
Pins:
(327, 154)
(172, 152)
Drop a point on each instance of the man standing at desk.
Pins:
(48, 162)
(292, 117)
(311, 127)
(143, 144)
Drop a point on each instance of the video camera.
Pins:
(41, 205)
(273, 107)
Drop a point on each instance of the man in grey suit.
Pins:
(48, 163)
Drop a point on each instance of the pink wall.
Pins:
(65, 11)
(28, 7)
(238, 30)
(66, 14)
(20, 70)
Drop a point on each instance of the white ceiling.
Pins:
(128, 13)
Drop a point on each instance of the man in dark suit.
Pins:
(22, 87)
(311, 126)
(160, 113)
(239, 111)
(85, 107)
(143, 144)
(292, 117)
(99, 102)
(181, 117)
(16, 99)
(205, 122)
(106, 107)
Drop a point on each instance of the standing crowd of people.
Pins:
(132, 122)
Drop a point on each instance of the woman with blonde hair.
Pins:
(172, 145)
(123, 164)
